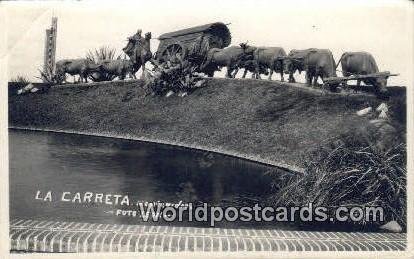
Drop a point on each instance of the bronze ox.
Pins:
(362, 63)
(228, 57)
(319, 63)
(269, 58)
(295, 62)
(250, 66)
(82, 67)
(118, 68)
(315, 62)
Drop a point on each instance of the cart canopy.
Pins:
(218, 29)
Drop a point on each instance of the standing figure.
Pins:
(131, 47)
(139, 50)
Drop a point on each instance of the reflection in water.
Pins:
(56, 162)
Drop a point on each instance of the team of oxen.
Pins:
(120, 68)
(316, 63)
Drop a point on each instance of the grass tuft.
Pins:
(350, 171)
(23, 80)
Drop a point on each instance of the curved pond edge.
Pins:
(256, 159)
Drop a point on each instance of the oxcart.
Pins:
(335, 81)
(195, 39)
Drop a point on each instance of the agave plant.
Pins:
(97, 56)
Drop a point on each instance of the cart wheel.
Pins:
(172, 51)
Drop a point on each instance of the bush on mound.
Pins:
(350, 171)
(176, 74)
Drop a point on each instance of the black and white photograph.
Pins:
(207, 129)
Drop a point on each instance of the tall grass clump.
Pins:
(48, 75)
(23, 80)
(351, 171)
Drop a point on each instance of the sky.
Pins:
(383, 28)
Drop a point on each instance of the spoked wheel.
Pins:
(173, 50)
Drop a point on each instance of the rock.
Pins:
(392, 226)
(382, 107)
(200, 83)
(364, 111)
(169, 93)
(383, 110)
(34, 90)
(182, 94)
(25, 89)
(383, 115)
(28, 87)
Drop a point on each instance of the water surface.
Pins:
(58, 162)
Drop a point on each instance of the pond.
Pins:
(46, 166)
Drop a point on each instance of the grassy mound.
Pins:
(258, 119)
(266, 121)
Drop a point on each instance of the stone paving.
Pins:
(54, 236)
